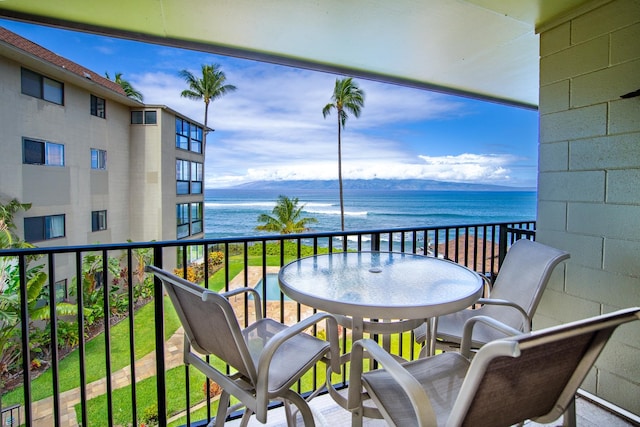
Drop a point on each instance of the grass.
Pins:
(146, 403)
(95, 351)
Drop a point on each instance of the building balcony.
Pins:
(108, 323)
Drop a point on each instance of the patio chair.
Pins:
(269, 357)
(513, 299)
(532, 376)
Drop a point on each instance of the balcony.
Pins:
(107, 322)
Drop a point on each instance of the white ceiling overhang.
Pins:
(486, 49)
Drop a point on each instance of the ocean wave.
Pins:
(336, 212)
(364, 238)
(317, 204)
(424, 214)
(239, 204)
(384, 238)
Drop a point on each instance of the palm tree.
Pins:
(209, 87)
(347, 97)
(127, 87)
(286, 217)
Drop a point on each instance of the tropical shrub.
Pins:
(215, 258)
(68, 335)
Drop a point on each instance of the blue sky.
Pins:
(272, 127)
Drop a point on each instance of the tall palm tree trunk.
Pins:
(206, 128)
(340, 175)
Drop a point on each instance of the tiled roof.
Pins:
(56, 60)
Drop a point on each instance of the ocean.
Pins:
(234, 212)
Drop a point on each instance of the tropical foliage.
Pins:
(127, 87)
(286, 217)
(208, 87)
(8, 238)
(10, 295)
(347, 98)
(195, 271)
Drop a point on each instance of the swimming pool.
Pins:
(272, 288)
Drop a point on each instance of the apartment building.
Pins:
(96, 165)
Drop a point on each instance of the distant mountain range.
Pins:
(377, 184)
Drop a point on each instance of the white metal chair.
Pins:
(513, 300)
(268, 357)
(510, 380)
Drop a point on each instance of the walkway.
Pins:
(145, 368)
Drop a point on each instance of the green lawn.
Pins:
(146, 401)
(95, 366)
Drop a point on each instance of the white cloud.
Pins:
(464, 168)
(272, 128)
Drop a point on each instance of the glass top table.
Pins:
(380, 293)
(381, 285)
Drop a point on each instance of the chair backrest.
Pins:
(209, 322)
(535, 375)
(522, 278)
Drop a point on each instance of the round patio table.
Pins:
(380, 292)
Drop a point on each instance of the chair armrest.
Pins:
(281, 337)
(467, 331)
(507, 303)
(256, 298)
(417, 396)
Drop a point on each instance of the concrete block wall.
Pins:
(589, 181)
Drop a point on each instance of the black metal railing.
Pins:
(108, 288)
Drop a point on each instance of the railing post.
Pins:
(161, 385)
(502, 245)
(26, 350)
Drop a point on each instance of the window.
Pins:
(196, 139)
(182, 216)
(137, 117)
(98, 276)
(144, 117)
(188, 136)
(182, 176)
(196, 218)
(182, 134)
(98, 220)
(98, 159)
(62, 292)
(39, 228)
(42, 153)
(188, 177)
(196, 178)
(194, 253)
(98, 107)
(150, 118)
(39, 86)
(189, 219)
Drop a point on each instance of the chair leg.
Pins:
(302, 406)
(569, 417)
(289, 414)
(223, 404)
(246, 416)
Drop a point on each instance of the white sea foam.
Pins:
(315, 204)
(239, 205)
(335, 212)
